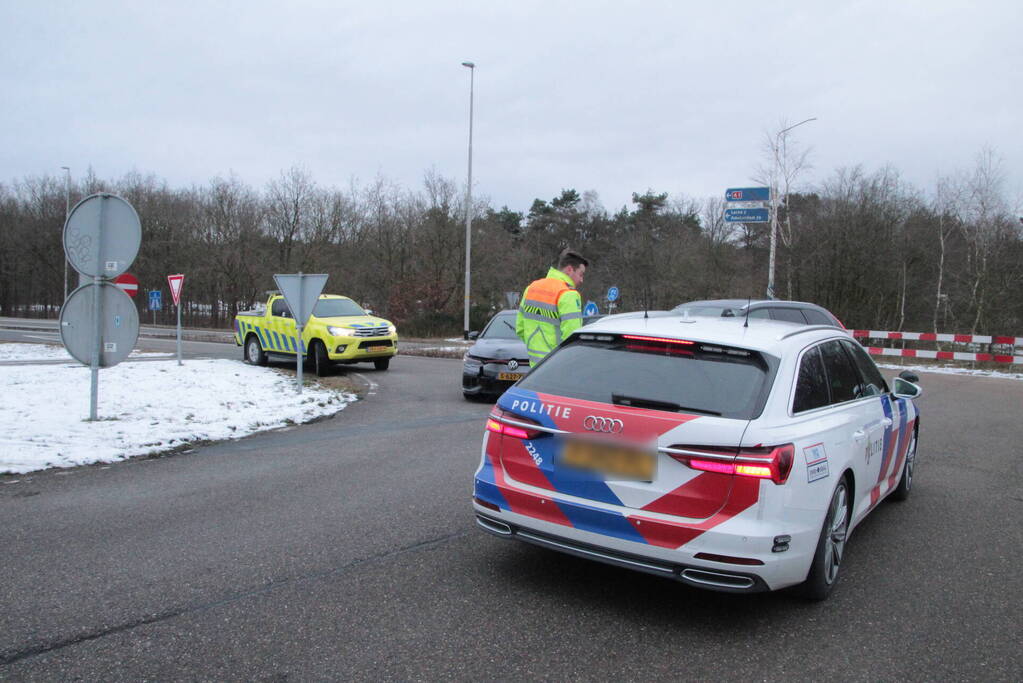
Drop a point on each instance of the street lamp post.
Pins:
(67, 210)
(774, 205)
(468, 206)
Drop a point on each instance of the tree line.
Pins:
(876, 251)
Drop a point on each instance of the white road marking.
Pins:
(372, 385)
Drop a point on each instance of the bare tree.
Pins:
(288, 210)
(785, 162)
(984, 221)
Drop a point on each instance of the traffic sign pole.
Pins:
(97, 307)
(298, 327)
(179, 333)
(300, 292)
(176, 282)
(101, 240)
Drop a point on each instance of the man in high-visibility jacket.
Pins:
(551, 308)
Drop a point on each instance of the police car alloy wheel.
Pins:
(906, 482)
(827, 560)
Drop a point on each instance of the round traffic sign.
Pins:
(102, 235)
(591, 308)
(128, 283)
(612, 294)
(119, 324)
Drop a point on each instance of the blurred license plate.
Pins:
(511, 376)
(382, 347)
(617, 460)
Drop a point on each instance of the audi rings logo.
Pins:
(604, 425)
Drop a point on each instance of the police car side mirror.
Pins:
(903, 388)
(910, 376)
(473, 336)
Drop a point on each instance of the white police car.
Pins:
(730, 454)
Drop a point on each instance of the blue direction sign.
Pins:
(612, 294)
(746, 216)
(748, 194)
(591, 308)
(155, 300)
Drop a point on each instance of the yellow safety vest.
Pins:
(550, 310)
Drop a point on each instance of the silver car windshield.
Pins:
(501, 327)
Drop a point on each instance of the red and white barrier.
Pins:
(942, 355)
(930, 336)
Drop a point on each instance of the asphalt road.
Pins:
(346, 549)
(195, 343)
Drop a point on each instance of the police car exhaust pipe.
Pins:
(703, 577)
(493, 526)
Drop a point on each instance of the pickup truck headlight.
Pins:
(339, 331)
(391, 329)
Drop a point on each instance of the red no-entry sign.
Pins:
(129, 283)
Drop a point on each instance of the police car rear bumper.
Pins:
(727, 581)
(692, 564)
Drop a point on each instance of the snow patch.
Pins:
(30, 352)
(143, 408)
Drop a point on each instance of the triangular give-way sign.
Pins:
(301, 292)
(175, 282)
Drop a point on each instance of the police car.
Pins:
(730, 454)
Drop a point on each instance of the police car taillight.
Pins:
(496, 425)
(773, 462)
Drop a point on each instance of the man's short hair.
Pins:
(571, 258)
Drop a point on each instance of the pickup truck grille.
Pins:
(370, 331)
(375, 343)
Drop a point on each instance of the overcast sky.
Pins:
(614, 97)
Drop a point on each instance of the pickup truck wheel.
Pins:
(321, 364)
(253, 351)
(382, 363)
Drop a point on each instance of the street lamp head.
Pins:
(786, 130)
(469, 64)
(65, 168)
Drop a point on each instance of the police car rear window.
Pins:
(698, 378)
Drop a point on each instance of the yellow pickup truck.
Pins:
(339, 331)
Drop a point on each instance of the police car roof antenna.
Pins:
(749, 302)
